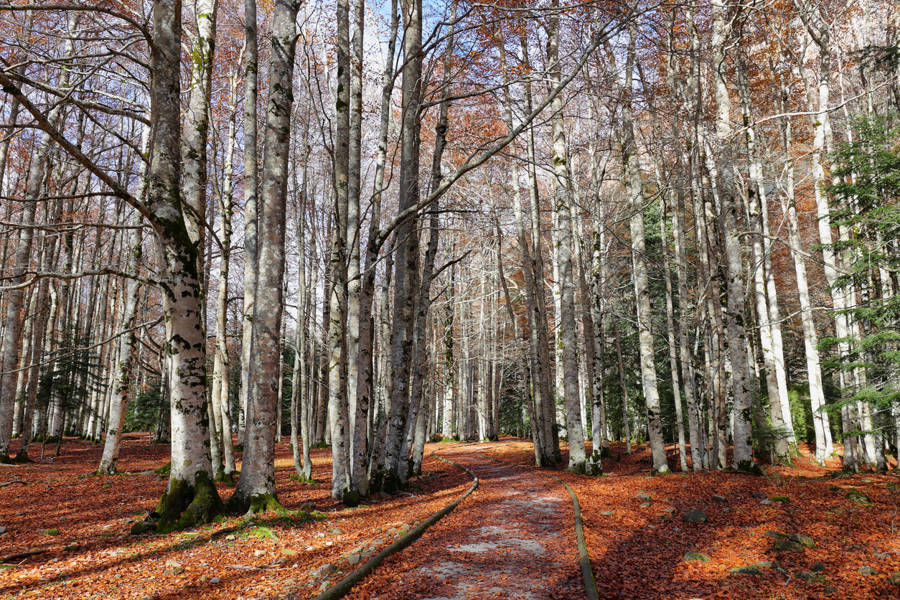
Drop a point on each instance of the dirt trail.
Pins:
(513, 538)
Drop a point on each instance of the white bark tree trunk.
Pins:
(250, 182)
(744, 387)
(564, 252)
(635, 196)
(407, 246)
(776, 376)
(255, 491)
(821, 424)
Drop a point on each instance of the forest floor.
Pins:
(64, 533)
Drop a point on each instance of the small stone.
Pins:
(353, 559)
(803, 540)
(766, 502)
(764, 564)
(643, 497)
(748, 570)
(867, 570)
(336, 531)
(230, 537)
(2, 529)
(289, 552)
(258, 553)
(694, 515)
(172, 564)
(607, 513)
(718, 498)
(214, 580)
(881, 555)
(696, 556)
(894, 578)
(786, 545)
(859, 497)
(323, 571)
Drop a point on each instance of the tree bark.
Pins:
(565, 251)
(255, 491)
(407, 245)
(634, 193)
(250, 181)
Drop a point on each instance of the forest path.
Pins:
(512, 538)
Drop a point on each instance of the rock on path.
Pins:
(513, 538)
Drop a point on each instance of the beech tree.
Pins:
(669, 225)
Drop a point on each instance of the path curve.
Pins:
(512, 538)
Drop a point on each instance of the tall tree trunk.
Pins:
(776, 375)
(821, 425)
(820, 34)
(634, 193)
(407, 245)
(420, 359)
(300, 391)
(221, 396)
(256, 487)
(537, 369)
(670, 332)
(365, 397)
(358, 408)
(548, 398)
(250, 181)
(338, 417)
(565, 251)
(699, 458)
(744, 386)
(190, 496)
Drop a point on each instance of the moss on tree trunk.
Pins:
(255, 504)
(184, 505)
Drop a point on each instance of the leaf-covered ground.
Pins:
(638, 547)
(78, 523)
(66, 533)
